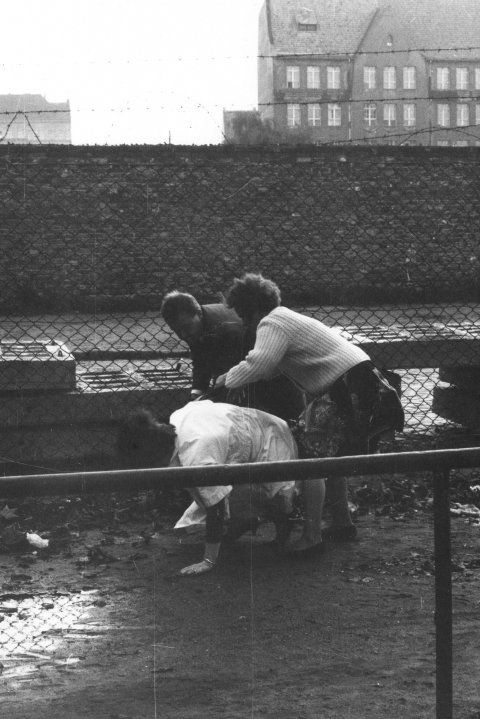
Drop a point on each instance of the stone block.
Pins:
(36, 365)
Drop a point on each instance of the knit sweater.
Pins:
(312, 354)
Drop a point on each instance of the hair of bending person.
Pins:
(142, 441)
(175, 302)
(253, 293)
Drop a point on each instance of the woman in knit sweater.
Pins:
(345, 393)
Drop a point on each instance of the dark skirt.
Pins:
(348, 419)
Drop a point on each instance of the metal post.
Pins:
(443, 595)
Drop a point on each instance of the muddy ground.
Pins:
(101, 625)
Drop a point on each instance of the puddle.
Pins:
(34, 628)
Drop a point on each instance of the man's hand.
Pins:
(199, 568)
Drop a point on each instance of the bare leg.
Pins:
(313, 492)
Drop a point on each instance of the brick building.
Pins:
(31, 119)
(375, 71)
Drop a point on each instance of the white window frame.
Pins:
(293, 77)
(313, 77)
(370, 77)
(334, 113)
(314, 114)
(461, 78)
(442, 143)
(443, 114)
(463, 112)
(370, 114)
(409, 114)
(294, 118)
(409, 77)
(477, 78)
(390, 114)
(442, 78)
(389, 78)
(477, 113)
(333, 77)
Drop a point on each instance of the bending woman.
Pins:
(347, 396)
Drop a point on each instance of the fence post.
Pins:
(443, 595)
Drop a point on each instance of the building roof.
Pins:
(440, 28)
(30, 103)
(341, 25)
(345, 26)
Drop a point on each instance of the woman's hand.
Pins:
(200, 568)
(220, 381)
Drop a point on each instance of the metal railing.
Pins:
(439, 462)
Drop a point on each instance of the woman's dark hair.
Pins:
(144, 442)
(176, 302)
(252, 293)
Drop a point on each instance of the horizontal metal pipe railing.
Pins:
(254, 473)
(439, 462)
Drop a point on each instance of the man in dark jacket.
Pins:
(217, 341)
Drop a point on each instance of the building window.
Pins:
(389, 78)
(460, 143)
(334, 114)
(314, 114)
(477, 78)
(313, 78)
(461, 78)
(370, 114)
(477, 114)
(409, 78)
(443, 78)
(462, 114)
(333, 78)
(293, 76)
(409, 114)
(389, 114)
(442, 143)
(443, 115)
(370, 77)
(307, 27)
(293, 115)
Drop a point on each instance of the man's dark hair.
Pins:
(176, 302)
(252, 293)
(142, 441)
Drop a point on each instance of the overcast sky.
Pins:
(135, 71)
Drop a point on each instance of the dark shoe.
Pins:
(340, 534)
(313, 552)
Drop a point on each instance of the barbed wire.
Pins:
(394, 98)
(459, 98)
(262, 56)
(19, 112)
(374, 138)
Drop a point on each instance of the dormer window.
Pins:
(306, 20)
(389, 40)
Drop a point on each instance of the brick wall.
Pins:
(116, 227)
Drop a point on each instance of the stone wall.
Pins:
(116, 227)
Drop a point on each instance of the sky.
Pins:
(134, 71)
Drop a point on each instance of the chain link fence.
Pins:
(381, 243)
